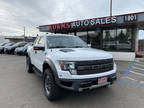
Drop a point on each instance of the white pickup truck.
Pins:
(65, 61)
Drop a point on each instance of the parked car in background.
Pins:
(6, 45)
(11, 49)
(22, 50)
(6, 49)
(2, 44)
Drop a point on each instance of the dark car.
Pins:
(22, 50)
(5, 45)
(11, 49)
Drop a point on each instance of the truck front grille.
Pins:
(95, 66)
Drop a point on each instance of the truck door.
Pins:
(33, 52)
(40, 54)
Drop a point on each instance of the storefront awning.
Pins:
(132, 19)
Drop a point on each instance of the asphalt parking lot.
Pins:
(18, 89)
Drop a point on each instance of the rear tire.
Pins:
(29, 66)
(52, 91)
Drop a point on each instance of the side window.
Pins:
(41, 41)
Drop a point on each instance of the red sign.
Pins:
(59, 26)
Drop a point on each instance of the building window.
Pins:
(109, 40)
(124, 39)
(82, 35)
(117, 40)
(94, 38)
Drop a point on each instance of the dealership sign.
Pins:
(90, 23)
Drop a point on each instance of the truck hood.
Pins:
(73, 54)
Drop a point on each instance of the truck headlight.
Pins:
(68, 66)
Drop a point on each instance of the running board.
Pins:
(37, 71)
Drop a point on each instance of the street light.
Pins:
(110, 7)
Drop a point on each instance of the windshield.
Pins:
(16, 44)
(19, 44)
(28, 44)
(2, 44)
(65, 42)
(9, 44)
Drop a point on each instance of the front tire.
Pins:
(29, 67)
(52, 91)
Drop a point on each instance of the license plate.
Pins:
(102, 80)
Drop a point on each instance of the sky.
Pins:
(17, 14)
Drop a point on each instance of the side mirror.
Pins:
(38, 48)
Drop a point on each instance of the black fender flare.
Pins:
(54, 70)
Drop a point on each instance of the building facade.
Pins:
(116, 34)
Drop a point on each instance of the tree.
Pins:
(121, 37)
(107, 37)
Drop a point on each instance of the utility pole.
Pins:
(111, 8)
(24, 34)
(24, 31)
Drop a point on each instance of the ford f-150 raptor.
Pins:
(67, 62)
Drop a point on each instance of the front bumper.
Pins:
(7, 51)
(80, 85)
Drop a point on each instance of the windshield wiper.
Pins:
(58, 47)
(79, 47)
